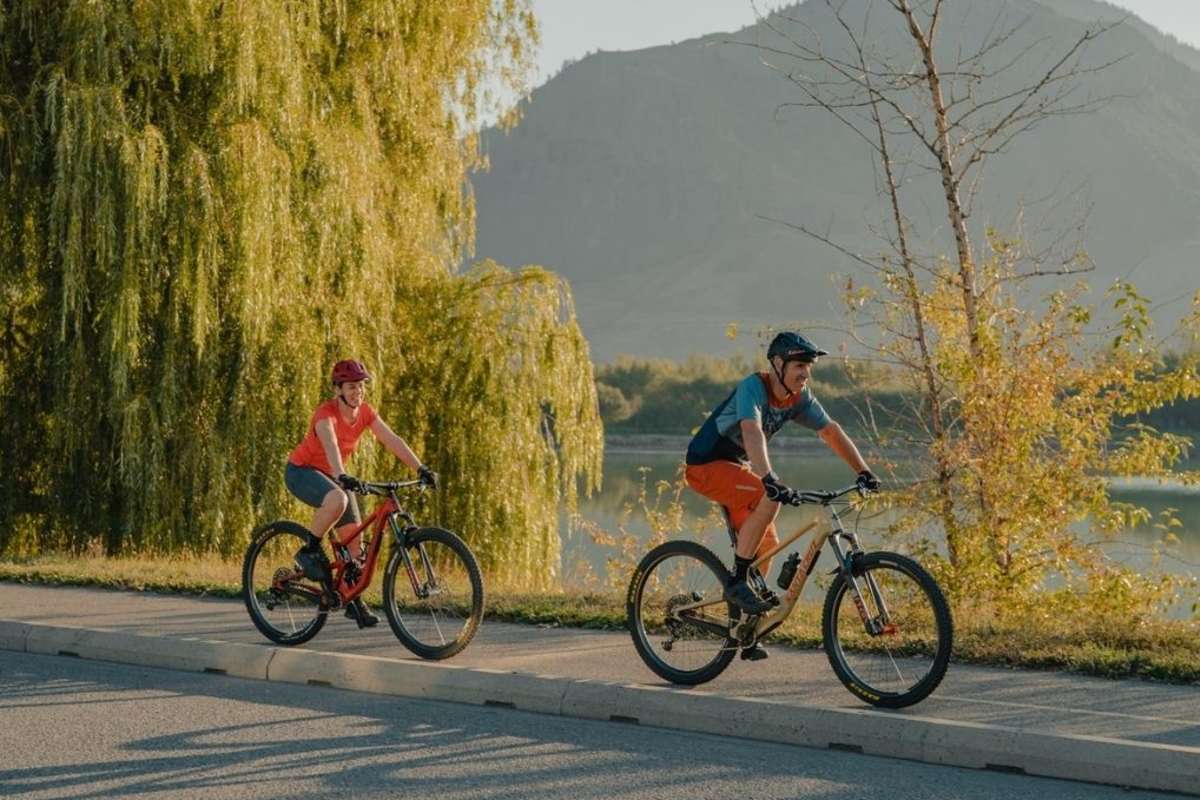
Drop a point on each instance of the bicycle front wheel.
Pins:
(893, 651)
(283, 604)
(433, 593)
(677, 613)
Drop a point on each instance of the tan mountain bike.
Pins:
(886, 625)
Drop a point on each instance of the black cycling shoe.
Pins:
(745, 598)
(755, 579)
(312, 560)
(358, 611)
(755, 653)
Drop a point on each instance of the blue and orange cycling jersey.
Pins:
(720, 437)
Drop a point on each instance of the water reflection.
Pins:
(623, 480)
(1136, 547)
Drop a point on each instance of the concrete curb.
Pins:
(1141, 765)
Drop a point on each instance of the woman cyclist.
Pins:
(316, 470)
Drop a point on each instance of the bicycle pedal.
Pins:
(755, 653)
(743, 633)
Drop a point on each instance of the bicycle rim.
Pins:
(677, 613)
(283, 604)
(906, 660)
(436, 609)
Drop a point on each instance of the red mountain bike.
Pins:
(432, 588)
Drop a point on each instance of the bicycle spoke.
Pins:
(441, 636)
(896, 662)
(436, 608)
(680, 615)
(284, 605)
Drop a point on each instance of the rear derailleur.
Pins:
(675, 625)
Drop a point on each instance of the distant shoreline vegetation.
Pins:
(651, 403)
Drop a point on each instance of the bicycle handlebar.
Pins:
(810, 497)
(387, 487)
(825, 497)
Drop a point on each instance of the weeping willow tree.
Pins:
(203, 203)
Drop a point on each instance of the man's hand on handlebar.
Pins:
(777, 492)
(867, 482)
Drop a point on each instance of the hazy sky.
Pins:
(572, 28)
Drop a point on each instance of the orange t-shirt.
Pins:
(310, 452)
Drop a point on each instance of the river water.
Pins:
(584, 559)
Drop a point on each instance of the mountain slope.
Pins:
(644, 178)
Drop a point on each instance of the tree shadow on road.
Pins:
(176, 734)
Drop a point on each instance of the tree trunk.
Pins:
(958, 224)
(932, 395)
(950, 184)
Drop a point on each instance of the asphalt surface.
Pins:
(1043, 701)
(84, 729)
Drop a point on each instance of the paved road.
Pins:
(84, 729)
(1044, 701)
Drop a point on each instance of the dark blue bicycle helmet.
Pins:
(791, 346)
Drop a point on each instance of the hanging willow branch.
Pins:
(202, 204)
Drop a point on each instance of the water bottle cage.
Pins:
(788, 571)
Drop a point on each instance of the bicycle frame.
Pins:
(352, 574)
(835, 535)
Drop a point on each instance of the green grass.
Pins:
(206, 576)
(1163, 650)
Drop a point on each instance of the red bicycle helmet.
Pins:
(350, 370)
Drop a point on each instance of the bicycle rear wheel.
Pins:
(904, 658)
(677, 613)
(434, 598)
(283, 604)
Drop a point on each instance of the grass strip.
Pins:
(1164, 650)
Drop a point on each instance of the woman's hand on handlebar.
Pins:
(351, 483)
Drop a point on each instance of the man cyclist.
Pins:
(316, 471)
(727, 460)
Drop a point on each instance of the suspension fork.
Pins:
(847, 564)
(400, 534)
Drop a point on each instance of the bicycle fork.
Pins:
(874, 625)
(421, 590)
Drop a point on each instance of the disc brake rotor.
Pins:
(275, 594)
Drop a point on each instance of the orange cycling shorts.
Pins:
(735, 487)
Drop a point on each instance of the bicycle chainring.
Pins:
(351, 574)
(743, 633)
